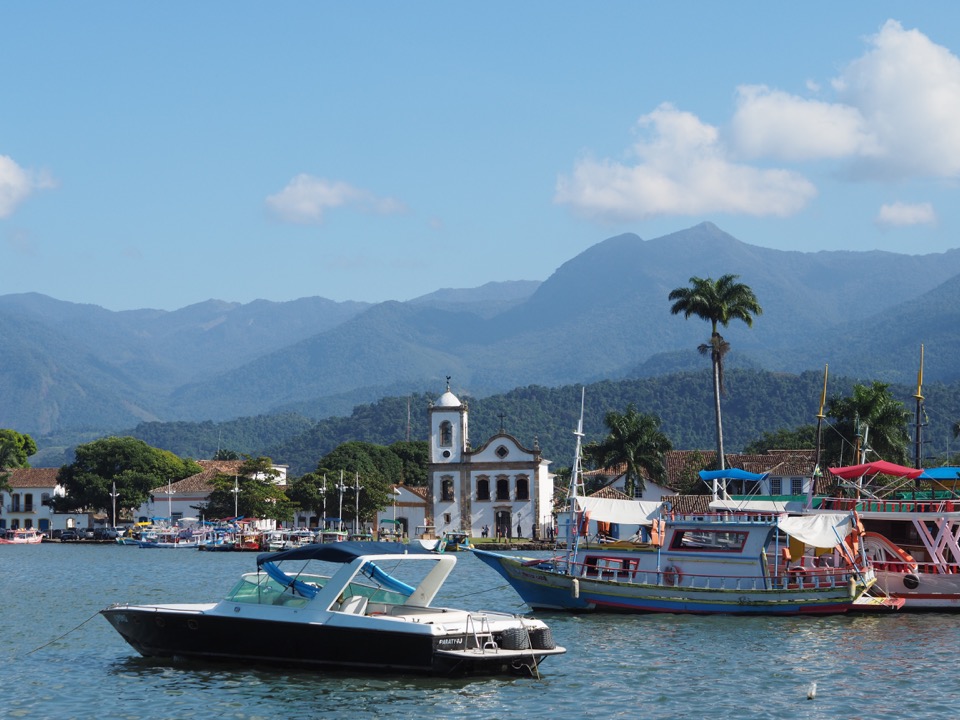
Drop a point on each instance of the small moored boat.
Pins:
(365, 616)
(20, 536)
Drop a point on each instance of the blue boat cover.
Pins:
(730, 474)
(941, 473)
(342, 552)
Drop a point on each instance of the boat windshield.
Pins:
(261, 589)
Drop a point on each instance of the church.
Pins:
(501, 486)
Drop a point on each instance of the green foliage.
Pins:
(257, 494)
(15, 448)
(135, 467)
(636, 441)
(373, 467)
(869, 417)
(801, 438)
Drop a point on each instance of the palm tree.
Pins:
(869, 419)
(635, 440)
(719, 302)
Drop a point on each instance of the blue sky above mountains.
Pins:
(157, 155)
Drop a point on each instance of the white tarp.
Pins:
(824, 530)
(625, 512)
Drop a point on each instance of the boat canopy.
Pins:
(941, 473)
(731, 474)
(341, 552)
(625, 512)
(880, 467)
(824, 530)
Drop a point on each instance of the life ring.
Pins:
(672, 575)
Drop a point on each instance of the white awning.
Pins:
(625, 512)
(823, 530)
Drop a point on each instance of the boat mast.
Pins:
(573, 526)
(820, 417)
(918, 396)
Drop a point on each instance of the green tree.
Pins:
(373, 467)
(252, 492)
(801, 438)
(719, 302)
(414, 458)
(134, 466)
(636, 441)
(869, 419)
(311, 492)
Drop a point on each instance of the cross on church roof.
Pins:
(501, 416)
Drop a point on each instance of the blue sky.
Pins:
(161, 154)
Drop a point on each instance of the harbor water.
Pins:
(62, 660)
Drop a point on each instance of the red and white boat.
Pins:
(21, 536)
(912, 524)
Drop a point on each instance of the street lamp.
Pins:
(170, 500)
(396, 494)
(113, 496)
(356, 514)
(341, 487)
(236, 497)
(323, 516)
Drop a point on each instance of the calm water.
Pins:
(662, 666)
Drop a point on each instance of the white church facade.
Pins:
(501, 486)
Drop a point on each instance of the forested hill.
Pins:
(757, 401)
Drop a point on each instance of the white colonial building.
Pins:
(502, 485)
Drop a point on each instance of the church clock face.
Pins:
(446, 453)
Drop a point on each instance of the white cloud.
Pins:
(306, 199)
(17, 184)
(773, 124)
(895, 114)
(899, 214)
(908, 91)
(681, 168)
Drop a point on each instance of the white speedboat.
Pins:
(364, 616)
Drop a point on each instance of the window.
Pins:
(503, 488)
(14, 503)
(28, 502)
(775, 485)
(446, 434)
(483, 488)
(796, 486)
(446, 489)
(502, 452)
(523, 488)
(709, 540)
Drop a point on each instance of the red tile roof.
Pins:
(33, 477)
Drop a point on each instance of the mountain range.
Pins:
(603, 314)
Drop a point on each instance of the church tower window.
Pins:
(446, 434)
(446, 489)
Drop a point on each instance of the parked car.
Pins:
(69, 534)
(105, 533)
(88, 534)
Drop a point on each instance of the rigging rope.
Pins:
(31, 652)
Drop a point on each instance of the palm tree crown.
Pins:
(635, 441)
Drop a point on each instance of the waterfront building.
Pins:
(501, 485)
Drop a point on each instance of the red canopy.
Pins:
(880, 467)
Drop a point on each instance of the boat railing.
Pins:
(778, 577)
(723, 518)
(891, 506)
